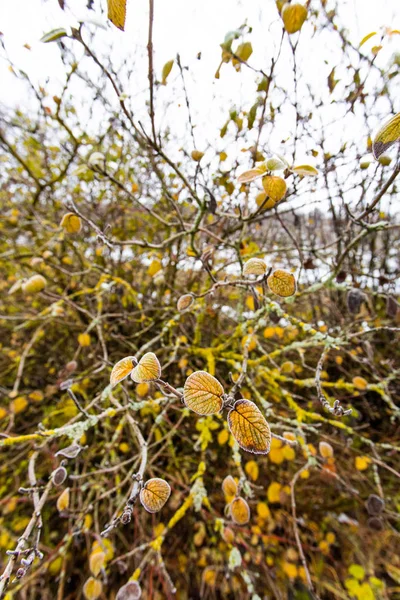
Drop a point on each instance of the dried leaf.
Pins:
(71, 451)
(249, 427)
(386, 136)
(97, 560)
(202, 393)
(129, 591)
(92, 589)
(229, 486)
(63, 500)
(282, 283)
(122, 369)
(305, 170)
(240, 511)
(184, 302)
(148, 369)
(293, 16)
(255, 266)
(71, 223)
(154, 494)
(34, 284)
(275, 187)
(59, 476)
(117, 12)
(251, 175)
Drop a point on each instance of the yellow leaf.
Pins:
(386, 136)
(63, 500)
(166, 70)
(148, 369)
(325, 450)
(229, 487)
(154, 267)
(275, 187)
(249, 427)
(287, 367)
(250, 175)
(71, 223)
(154, 494)
(197, 155)
(305, 170)
(202, 393)
(19, 405)
(252, 470)
(290, 570)
(117, 12)
(282, 283)
(209, 576)
(366, 38)
(250, 341)
(223, 437)
(250, 303)
(104, 545)
(142, 389)
(276, 456)
(34, 284)
(360, 383)
(254, 266)
(92, 589)
(240, 511)
(84, 339)
(293, 16)
(122, 369)
(288, 453)
(97, 560)
(362, 462)
(3, 413)
(244, 51)
(263, 510)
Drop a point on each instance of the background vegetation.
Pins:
(156, 212)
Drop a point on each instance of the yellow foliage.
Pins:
(273, 492)
(290, 569)
(84, 340)
(360, 383)
(19, 404)
(263, 510)
(252, 469)
(92, 589)
(223, 437)
(63, 500)
(362, 463)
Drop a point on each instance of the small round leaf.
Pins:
(122, 369)
(148, 369)
(282, 283)
(203, 393)
(154, 494)
(240, 511)
(71, 223)
(249, 427)
(255, 266)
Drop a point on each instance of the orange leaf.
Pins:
(203, 393)
(154, 494)
(249, 427)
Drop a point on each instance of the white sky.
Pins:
(187, 27)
